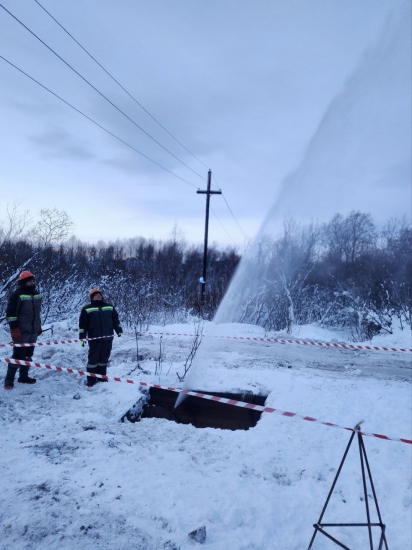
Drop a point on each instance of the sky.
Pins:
(243, 85)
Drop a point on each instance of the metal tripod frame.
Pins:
(319, 526)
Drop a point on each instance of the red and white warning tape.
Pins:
(351, 346)
(286, 341)
(53, 342)
(232, 402)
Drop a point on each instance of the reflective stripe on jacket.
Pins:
(23, 311)
(98, 319)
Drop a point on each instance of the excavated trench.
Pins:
(201, 413)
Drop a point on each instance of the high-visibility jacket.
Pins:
(98, 319)
(23, 310)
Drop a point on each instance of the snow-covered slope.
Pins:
(74, 476)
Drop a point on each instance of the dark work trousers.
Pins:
(23, 354)
(99, 355)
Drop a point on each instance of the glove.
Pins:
(40, 331)
(82, 343)
(120, 334)
(15, 335)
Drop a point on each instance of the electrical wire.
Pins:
(115, 106)
(234, 217)
(100, 93)
(118, 83)
(223, 227)
(96, 123)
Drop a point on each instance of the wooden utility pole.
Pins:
(208, 192)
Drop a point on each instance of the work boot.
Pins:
(91, 381)
(101, 369)
(27, 380)
(9, 380)
(24, 376)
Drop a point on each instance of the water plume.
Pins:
(359, 160)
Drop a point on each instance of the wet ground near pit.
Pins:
(201, 413)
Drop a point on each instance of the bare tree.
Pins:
(293, 260)
(53, 227)
(15, 224)
(13, 227)
(348, 238)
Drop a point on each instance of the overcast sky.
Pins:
(243, 84)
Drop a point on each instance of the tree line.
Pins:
(341, 274)
(149, 281)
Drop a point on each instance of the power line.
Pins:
(96, 123)
(239, 226)
(230, 210)
(121, 140)
(247, 239)
(223, 227)
(118, 83)
(117, 108)
(98, 91)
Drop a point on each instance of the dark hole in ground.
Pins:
(201, 413)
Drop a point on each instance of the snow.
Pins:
(74, 476)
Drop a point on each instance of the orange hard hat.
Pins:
(94, 291)
(25, 275)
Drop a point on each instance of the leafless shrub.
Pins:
(194, 346)
(16, 223)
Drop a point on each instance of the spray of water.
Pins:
(359, 159)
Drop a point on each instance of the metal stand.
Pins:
(320, 527)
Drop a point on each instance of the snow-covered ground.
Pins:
(74, 476)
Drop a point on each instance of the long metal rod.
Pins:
(351, 524)
(383, 536)
(383, 539)
(331, 489)
(365, 491)
(317, 528)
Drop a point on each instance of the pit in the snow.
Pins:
(201, 413)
